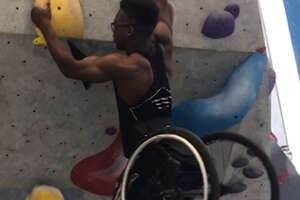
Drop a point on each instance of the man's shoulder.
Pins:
(132, 60)
(119, 62)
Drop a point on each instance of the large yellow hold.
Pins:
(45, 193)
(66, 19)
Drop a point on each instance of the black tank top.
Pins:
(157, 103)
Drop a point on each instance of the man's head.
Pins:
(136, 18)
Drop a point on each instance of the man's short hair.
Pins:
(143, 14)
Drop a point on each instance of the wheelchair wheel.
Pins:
(244, 170)
(172, 164)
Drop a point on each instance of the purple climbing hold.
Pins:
(271, 79)
(219, 24)
(234, 9)
(111, 130)
(240, 162)
(250, 152)
(233, 188)
(253, 173)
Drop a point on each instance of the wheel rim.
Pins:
(243, 169)
(159, 138)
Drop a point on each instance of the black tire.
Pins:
(227, 136)
(201, 148)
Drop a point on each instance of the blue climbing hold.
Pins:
(229, 106)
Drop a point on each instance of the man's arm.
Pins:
(91, 69)
(164, 30)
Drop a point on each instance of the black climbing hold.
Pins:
(234, 9)
(111, 130)
(219, 24)
(253, 173)
(90, 15)
(240, 162)
(233, 188)
(261, 124)
(271, 79)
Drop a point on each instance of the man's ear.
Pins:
(131, 31)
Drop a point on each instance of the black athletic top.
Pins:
(156, 104)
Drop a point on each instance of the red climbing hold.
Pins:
(274, 136)
(283, 177)
(99, 173)
(261, 49)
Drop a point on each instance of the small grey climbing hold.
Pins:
(253, 173)
(240, 162)
(219, 24)
(234, 188)
(234, 9)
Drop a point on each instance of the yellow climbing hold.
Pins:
(45, 193)
(66, 19)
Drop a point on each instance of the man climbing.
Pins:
(143, 30)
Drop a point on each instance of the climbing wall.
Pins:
(48, 123)
(188, 24)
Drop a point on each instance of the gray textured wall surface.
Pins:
(48, 122)
(190, 17)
